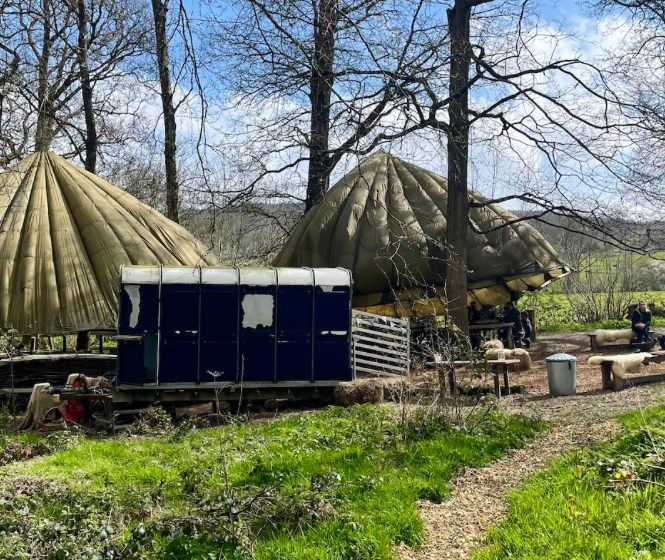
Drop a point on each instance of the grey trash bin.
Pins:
(561, 374)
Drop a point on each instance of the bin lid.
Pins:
(561, 357)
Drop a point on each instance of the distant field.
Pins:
(554, 312)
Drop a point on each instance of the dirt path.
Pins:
(477, 501)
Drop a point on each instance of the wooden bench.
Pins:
(611, 381)
(498, 369)
(595, 347)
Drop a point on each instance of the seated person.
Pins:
(474, 316)
(528, 329)
(512, 315)
(487, 314)
(640, 322)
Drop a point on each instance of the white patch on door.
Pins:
(135, 299)
(257, 311)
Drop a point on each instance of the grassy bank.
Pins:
(333, 484)
(607, 503)
(554, 312)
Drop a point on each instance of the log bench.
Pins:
(616, 383)
(594, 344)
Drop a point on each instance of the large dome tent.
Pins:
(385, 221)
(64, 234)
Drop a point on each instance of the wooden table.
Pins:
(498, 368)
(482, 327)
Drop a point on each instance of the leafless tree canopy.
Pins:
(244, 111)
(42, 99)
(326, 78)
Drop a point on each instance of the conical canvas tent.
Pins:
(64, 234)
(385, 221)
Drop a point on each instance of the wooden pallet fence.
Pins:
(381, 345)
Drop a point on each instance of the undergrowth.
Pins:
(333, 484)
(607, 503)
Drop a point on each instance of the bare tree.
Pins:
(91, 139)
(325, 77)
(637, 70)
(575, 124)
(160, 10)
(457, 214)
(11, 145)
(66, 50)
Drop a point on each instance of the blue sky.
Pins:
(567, 15)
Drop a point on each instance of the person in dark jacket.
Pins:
(512, 315)
(640, 322)
(528, 329)
(474, 316)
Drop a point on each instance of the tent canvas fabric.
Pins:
(64, 234)
(385, 221)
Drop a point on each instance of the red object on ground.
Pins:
(74, 411)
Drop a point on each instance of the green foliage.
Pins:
(152, 421)
(605, 503)
(21, 446)
(337, 483)
(555, 314)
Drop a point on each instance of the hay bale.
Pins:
(394, 390)
(345, 393)
(370, 391)
(613, 335)
(493, 343)
(516, 353)
(525, 359)
(493, 353)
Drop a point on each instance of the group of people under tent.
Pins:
(521, 326)
(640, 321)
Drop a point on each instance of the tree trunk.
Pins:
(82, 341)
(83, 337)
(457, 214)
(159, 10)
(86, 88)
(321, 84)
(45, 125)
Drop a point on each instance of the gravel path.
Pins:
(477, 501)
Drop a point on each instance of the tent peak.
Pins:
(385, 220)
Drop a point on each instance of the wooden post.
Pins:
(506, 378)
(452, 381)
(497, 384)
(606, 370)
(531, 314)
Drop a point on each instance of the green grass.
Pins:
(554, 312)
(333, 484)
(589, 506)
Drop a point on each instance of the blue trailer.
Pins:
(186, 331)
